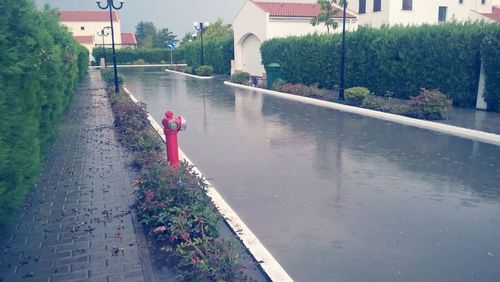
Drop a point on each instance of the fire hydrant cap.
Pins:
(169, 114)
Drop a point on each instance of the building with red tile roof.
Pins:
(85, 26)
(258, 21)
(494, 15)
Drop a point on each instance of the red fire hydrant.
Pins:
(171, 126)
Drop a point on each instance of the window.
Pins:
(460, 1)
(442, 14)
(377, 5)
(407, 5)
(82, 28)
(362, 6)
(483, 2)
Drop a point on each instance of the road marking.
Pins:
(267, 262)
(190, 75)
(466, 133)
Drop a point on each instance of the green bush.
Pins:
(218, 53)
(139, 62)
(373, 102)
(430, 104)
(303, 90)
(490, 57)
(356, 95)
(108, 75)
(150, 56)
(204, 71)
(278, 85)
(41, 65)
(398, 59)
(188, 70)
(241, 78)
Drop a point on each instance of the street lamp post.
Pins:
(342, 56)
(201, 27)
(111, 5)
(102, 34)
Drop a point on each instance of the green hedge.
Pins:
(41, 64)
(218, 53)
(129, 55)
(490, 57)
(398, 59)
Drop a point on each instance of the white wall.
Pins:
(424, 11)
(91, 28)
(250, 19)
(283, 27)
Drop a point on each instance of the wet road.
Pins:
(335, 196)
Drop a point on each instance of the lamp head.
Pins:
(195, 24)
(207, 24)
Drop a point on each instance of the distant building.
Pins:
(258, 21)
(416, 12)
(86, 24)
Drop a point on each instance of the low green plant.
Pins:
(373, 102)
(241, 78)
(278, 85)
(108, 75)
(204, 70)
(303, 90)
(355, 95)
(139, 62)
(172, 204)
(430, 104)
(188, 70)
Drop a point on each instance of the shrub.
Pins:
(430, 104)
(188, 70)
(401, 59)
(356, 95)
(278, 85)
(150, 56)
(241, 78)
(172, 204)
(204, 70)
(41, 65)
(139, 62)
(108, 75)
(303, 90)
(373, 102)
(218, 53)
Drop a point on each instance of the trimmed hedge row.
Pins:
(398, 59)
(218, 53)
(130, 56)
(490, 56)
(41, 64)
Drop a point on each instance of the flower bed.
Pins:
(173, 205)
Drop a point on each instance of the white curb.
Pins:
(190, 75)
(466, 133)
(269, 264)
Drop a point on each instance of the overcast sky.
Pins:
(177, 15)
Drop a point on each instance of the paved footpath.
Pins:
(77, 224)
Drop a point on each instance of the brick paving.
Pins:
(77, 224)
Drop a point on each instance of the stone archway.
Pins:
(251, 60)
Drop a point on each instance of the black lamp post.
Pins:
(342, 56)
(111, 5)
(103, 34)
(201, 27)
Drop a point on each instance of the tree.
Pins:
(145, 32)
(187, 37)
(218, 29)
(163, 37)
(327, 14)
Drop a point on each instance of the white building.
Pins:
(414, 12)
(259, 21)
(85, 26)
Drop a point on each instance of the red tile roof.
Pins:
(302, 10)
(128, 38)
(86, 16)
(494, 15)
(85, 39)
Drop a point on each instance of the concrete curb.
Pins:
(190, 75)
(466, 133)
(267, 262)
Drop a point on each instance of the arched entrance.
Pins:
(250, 52)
